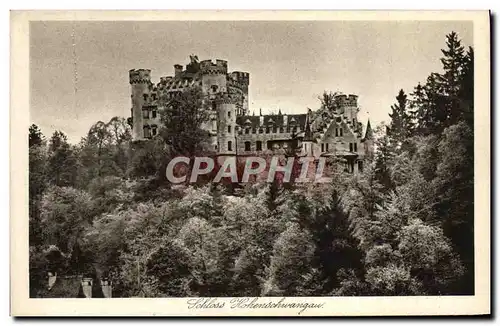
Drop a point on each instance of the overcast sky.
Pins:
(290, 63)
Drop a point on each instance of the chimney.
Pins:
(52, 279)
(87, 287)
(106, 287)
(178, 70)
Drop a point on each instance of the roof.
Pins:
(272, 120)
(369, 132)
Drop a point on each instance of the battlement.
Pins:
(166, 79)
(224, 99)
(139, 76)
(241, 77)
(344, 100)
(209, 67)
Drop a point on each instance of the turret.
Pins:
(139, 80)
(178, 70)
(368, 141)
(243, 79)
(213, 76)
(226, 137)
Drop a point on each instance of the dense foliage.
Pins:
(405, 226)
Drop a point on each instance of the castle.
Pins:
(332, 131)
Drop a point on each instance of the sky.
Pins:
(290, 63)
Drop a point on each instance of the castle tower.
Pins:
(213, 77)
(139, 81)
(243, 80)
(226, 133)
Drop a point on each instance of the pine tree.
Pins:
(62, 165)
(401, 126)
(450, 81)
(36, 137)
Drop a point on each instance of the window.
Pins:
(282, 130)
(214, 88)
(353, 121)
(261, 131)
(229, 114)
(214, 105)
(254, 130)
(229, 145)
(147, 133)
(145, 96)
(229, 129)
(322, 147)
(154, 96)
(336, 132)
(341, 132)
(275, 129)
(247, 146)
(267, 130)
(258, 145)
(154, 130)
(327, 147)
(355, 147)
(153, 114)
(269, 145)
(294, 129)
(247, 131)
(145, 114)
(350, 147)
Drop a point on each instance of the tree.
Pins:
(401, 126)
(36, 137)
(65, 213)
(62, 161)
(454, 184)
(183, 117)
(38, 182)
(292, 254)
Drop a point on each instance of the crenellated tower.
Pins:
(140, 81)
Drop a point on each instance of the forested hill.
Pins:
(405, 226)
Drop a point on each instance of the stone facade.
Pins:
(333, 131)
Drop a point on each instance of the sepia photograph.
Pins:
(253, 164)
